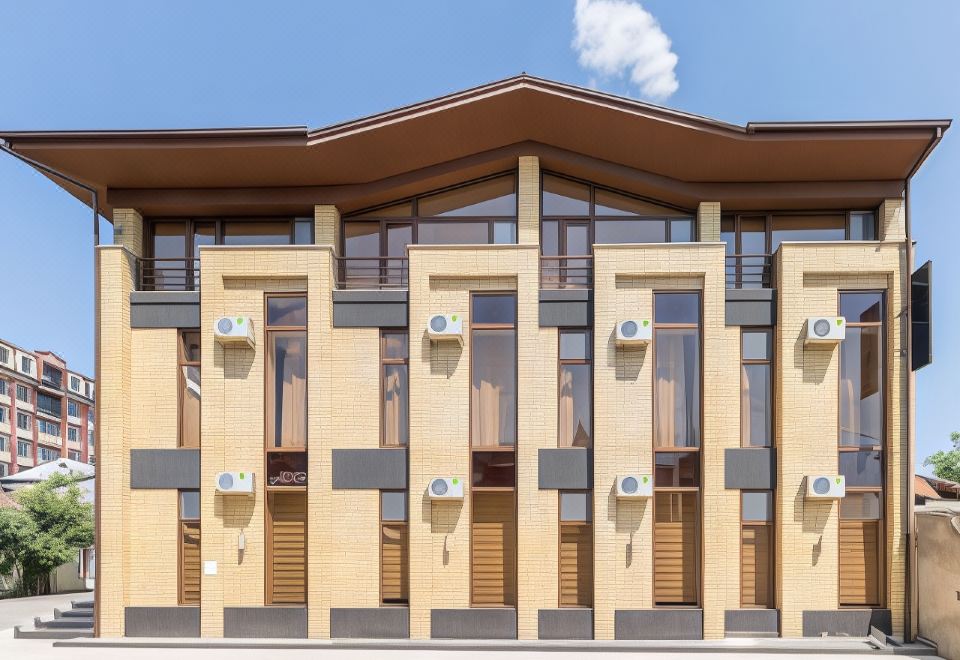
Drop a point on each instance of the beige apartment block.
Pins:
(557, 376)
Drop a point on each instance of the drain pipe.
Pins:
(95, 205)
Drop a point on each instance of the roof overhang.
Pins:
(675, 156)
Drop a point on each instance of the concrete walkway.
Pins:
(20, 611)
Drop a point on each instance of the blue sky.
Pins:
(64, 65)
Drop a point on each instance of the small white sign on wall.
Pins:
(209, 568)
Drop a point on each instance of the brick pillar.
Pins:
(892, 220)
(708, 221)
(528, 202)
(326, 225)
(128, 230)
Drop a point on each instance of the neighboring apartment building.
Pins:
(598, 479)
(46, 410)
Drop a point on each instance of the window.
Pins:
(286, 548)
(756, 385)
(52, 376)
(73, 434)
(4, 355)
(90, 439)
(24, 449)
(189, 573)
(4, 443)
(394, 548)
(862, 443)
(494, 369)
(73, 455)
(88, 387)
(45, 454)
(3, 388)
(286, 372)
(189, 400)
(395, 389)
(576, 549)
(677, 423)
(23, 393)
(756, 549)
(74, 383)
(26, 364)
(576, 388)
(4, 415)
(49, 428)
(4, 469)
(90, 414)
(51, 405)
(24, 421)
(73, 409)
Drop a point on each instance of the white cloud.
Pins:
(618, 39)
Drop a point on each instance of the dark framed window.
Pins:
(189, 376)
(757, 546)
(576, 388)
(493, 334)
(286, 369)
(189, 573)
(756, 386)
(394, 388)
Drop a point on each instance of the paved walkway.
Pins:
(20, 611)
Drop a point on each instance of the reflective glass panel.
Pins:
(565, 197)
(493, 197)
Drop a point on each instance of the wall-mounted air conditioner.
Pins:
(445, 327)
(826, 487)
(634, 486)
(235, 483)
(825, 330)
(234, 331)
(445, 488)
(634, 332)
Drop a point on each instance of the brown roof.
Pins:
(922, 488)
(675, 156)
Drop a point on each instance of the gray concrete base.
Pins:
(161, 621)
(474, 623)
(660, 624)
(846, 623)
(269, 622)
(565, 623)
(751, 623)
(370, 622)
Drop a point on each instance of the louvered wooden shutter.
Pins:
(755, 578)
(393, 564)
(190, 563)
(576, 565)
(675, 549)
(859, 562)
(494, 549)
(286, 577)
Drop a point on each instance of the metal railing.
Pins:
(371, 272)
(748, 271)
(168, 274)
(566, 272)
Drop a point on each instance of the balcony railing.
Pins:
(371, 272)
(748, 271)
(566, 272)
(168, 274)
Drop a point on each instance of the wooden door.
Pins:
(190, 563)
(286, 548)
(756, 584)
(860, 562)
(494, 549)
(675, 549)
(576, 565)
(394, 545)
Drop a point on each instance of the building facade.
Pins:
(46, 410)
(597, 479)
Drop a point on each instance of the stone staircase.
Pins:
(68, 624)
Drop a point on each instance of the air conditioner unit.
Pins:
(445, 326)
(634, 332)
(825, 330)
(634, 486)
(445, 488)
(826, 487)
(235, 483)
(234, 331)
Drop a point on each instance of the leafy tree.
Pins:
(52, 524)
(946, 464)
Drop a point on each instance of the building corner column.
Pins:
(326, 226)
(528, 201)
(892, 221)
(708, 222)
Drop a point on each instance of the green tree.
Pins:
(946, 464)
(52, 524)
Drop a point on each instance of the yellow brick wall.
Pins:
(892, 220)
(528, 200)
(326, 225)
(128, 230)
(708, 221)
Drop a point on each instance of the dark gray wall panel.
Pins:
(750, 468)
(658, 624)
(164, 468)
(161, 621)
(568, 469)
(369, 309)
(751, 307)
(474, 623)
(370, 468)
(752, 623)
(164, 309)
(850, 623)
(260, 622)
(565, 623)
(566, 314)
(370, 622)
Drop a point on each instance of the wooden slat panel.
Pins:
(859, 562)
(576, 565)
(755, 567)
(675, 548)
(494, 551)
(190, 563)
(286, 581)
(394, 546)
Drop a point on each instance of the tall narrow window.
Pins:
(576, 389)
(862, 442)
(395, 383)
(286, 372)
(189, 363)
(677, 424)
(493, 415)
(189, 574)
(394, 548)
(576, 549)
(756, 400)
(756, 549)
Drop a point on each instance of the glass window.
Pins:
(608, 202)
(169, 240)
(565, 197)
(431, 232)
(576, 417)
(494, 393)
(190, 388)
(808, 228)
(189, 505)
(576, 507)
(677, 392)
(361, 239)
(497, 308)
(504, 232)
(396, 389)
(677, 308)
(287, 389)
(250, 232)
(493, 197)
(73, 409)
(756, 405)
(494, 469)
(862, 469)
(393, 505)
(861, 387)
(401, 210)
(24, 449)
(862, 307)
(550, 238)
(303, 231)
(756, 506)
(23, 393)
(677, 469)
(395, 345)
(681, 231)
(286, 468)
(630, 231)
(863, 226)
(575, 344)
(287, 311)
(860, 506)
(757, 344)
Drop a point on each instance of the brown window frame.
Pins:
(181, 363)
(561, 363)
(181, 521)
(268, 545)
(770, 361)
(578, 524)
(405, 524)
(882, 595)
(697, 490)
(771, 560)
(768, 216)
(268, 330)
(384, 363)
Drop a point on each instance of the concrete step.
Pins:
(23, 632)
(70, 614)
(76, 622)
(82, 604)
